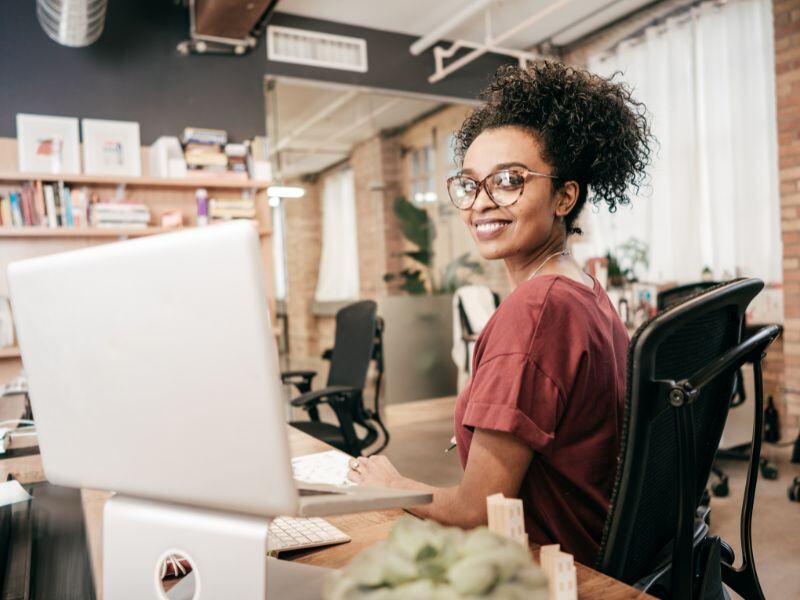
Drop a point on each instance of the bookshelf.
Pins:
(160, 195)
(216, 183)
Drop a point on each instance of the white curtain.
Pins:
(707, 79)
(279, 251)
(338, 267)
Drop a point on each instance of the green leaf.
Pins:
(415, 223)
(424, 257)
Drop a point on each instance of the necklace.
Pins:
(541, 264)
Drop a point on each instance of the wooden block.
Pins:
(506, 517)
(559, 567)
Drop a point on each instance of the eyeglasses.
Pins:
(504, 187)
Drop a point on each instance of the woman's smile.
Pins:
(488, 229)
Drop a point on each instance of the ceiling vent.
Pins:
(315, 49)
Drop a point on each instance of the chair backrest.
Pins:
(353, 345)
(672, 346)
(676, 295)
(476, 303)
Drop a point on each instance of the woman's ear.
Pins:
(566, 198)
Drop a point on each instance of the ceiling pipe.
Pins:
(73, 23)
(494, 42)
(445, 28)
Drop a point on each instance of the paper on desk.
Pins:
(12, 492)
(329, 467)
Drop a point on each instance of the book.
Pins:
(68, 220)
(236, 150)
(41, 211)
(120, 214)
(203, 159)
(50, 205)
(29, 199)
(61, 204)
(78, 208)
(25, 206)
(232, 209)
(200, 135)
(110, 225)
(17, 219)
(197, 148)
(5, 212)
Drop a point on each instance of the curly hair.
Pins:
(591, 129)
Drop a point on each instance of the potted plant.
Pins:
(419, 320)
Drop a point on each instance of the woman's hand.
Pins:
(374, 471)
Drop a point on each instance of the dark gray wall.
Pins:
(131, 73)
(134, 73)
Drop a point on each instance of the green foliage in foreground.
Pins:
(425, 561)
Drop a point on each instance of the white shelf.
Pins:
(91, 232)
(189, 182)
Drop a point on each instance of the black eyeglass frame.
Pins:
(482, 184)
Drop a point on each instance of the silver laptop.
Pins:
(153, 372)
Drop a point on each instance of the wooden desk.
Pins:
(364, 528)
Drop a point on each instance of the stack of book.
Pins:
(48, 205)
(232, 209)
(202, 149)
(120, 214)
(237, 159)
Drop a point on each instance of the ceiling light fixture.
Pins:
(285, 191)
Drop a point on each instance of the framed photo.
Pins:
(111, 148)
(48, 144)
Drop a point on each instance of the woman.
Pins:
(541, 416)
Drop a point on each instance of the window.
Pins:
(279, 251)
(423, 175)
(707, 79)
(338, 268)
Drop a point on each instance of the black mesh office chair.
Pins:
(681, 374)
(676, 295)
(358, 341)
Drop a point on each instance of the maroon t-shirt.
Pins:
(549, 368)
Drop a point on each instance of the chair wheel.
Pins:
(768, 471)
(721, 488)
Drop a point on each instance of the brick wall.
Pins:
(376, 167)
(376, 170)
(303, 227)
(786, 15)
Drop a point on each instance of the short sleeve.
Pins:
(510, 393)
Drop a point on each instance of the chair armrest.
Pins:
(288, 376)
(301, 380)
(317, 396)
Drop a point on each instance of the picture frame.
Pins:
(111, 147)
(48, 144)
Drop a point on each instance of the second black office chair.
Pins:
(358, 342)
(681, 376)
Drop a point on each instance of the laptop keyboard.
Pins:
(292, 533)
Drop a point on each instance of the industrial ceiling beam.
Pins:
(490, 44)
(445, 28)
